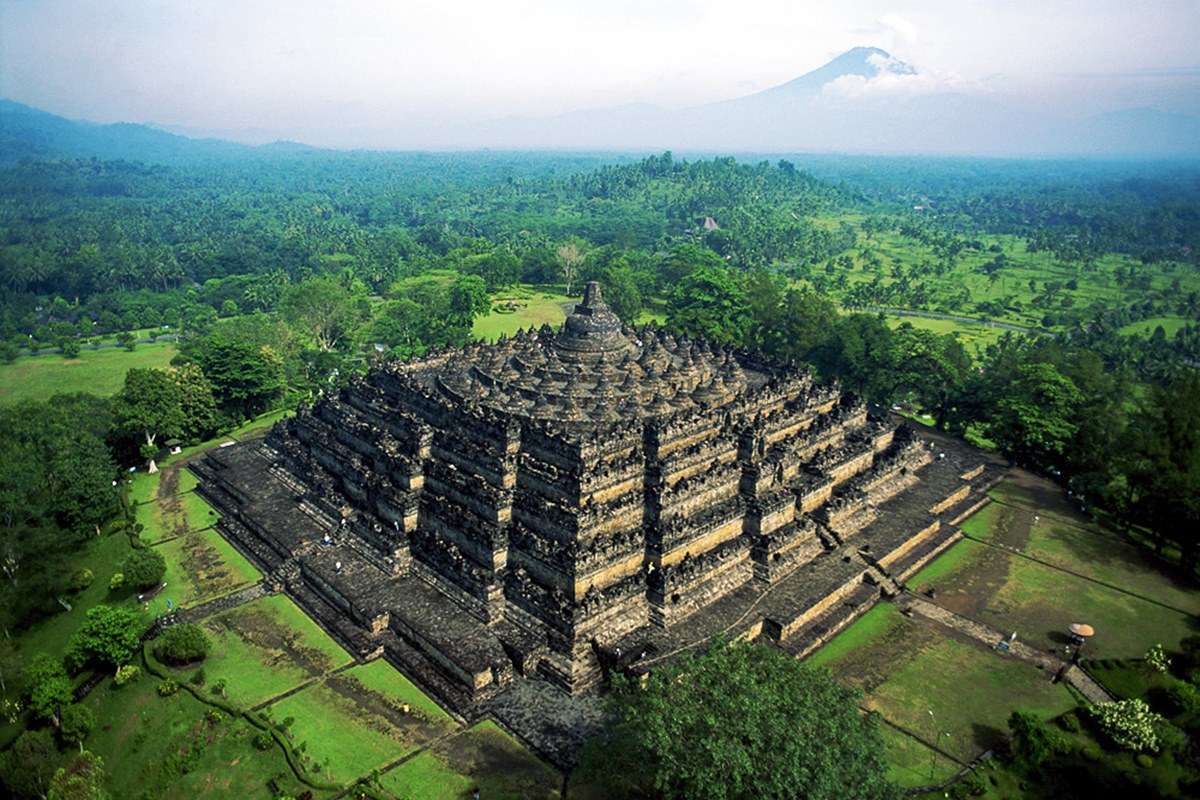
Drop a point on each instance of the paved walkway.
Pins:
(990, 636)
(241, 596)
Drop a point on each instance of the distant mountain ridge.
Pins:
(27, 132)
(863, 101)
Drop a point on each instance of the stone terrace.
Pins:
(506, 523)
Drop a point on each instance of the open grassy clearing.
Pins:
(483, 757)
(1037, 601)
(201, 566)
(1170, 326)
(521, 307)
(99, 372)
(975, 338)
(911, 763)
(156, 747)
(171, 515)
(908, 669)
(350, 729)
(1071, 541)
(265, 648)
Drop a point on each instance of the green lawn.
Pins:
(174, 515)
(1039, 601)
(349, 729)
(908, 669)
(975, 338)
(155, 747)
(266, 647)
(1170, 326)
(486, 758)
(941, 678)
(103, 556)
(201, 566)
(521, 307)
(99, 372)
(380, 676)
(911, 763)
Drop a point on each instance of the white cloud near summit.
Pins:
(895, 79)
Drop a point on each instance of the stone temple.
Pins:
(508, 522)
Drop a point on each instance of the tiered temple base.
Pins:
(508, 523)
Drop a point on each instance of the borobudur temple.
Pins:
(561, 503)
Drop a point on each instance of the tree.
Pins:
(149, 406)
(570, 256)
(196, 401)
(143, 568)
(110, 636)
(1162, 458)
(127, 340)
(77, 722)
(1032, 421)
(326, 310)
(934, 367)
(711, 304)
(47, 687)
(82, 778)
(740, 721)
(468, 299)
(27, 767)
(243, 360)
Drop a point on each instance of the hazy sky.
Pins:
(353, 72)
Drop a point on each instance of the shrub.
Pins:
(182, 644)
(1190, 646)
(143, 569)
(213, 716)
(218, 688)
(198, 677)
(126, 673)
(1184, 697)
(1170, 738)
(80, 579)
(263, 741)
(167, 688)
(1032, 740)
(1144, 761)
(1156, 659)
(1070, 722)
(116, 581)
(1129, 724)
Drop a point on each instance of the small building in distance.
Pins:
(505, 522)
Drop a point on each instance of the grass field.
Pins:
(483, 757)
(350, 729)
(156, 747)
(1170, 326)
(267, 647)
(911, 763)
(1039, 600)
(530, 308)
(975, 338)
(201, 566)
(99, 372)
(917, 677)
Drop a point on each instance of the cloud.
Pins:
(895, 78)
